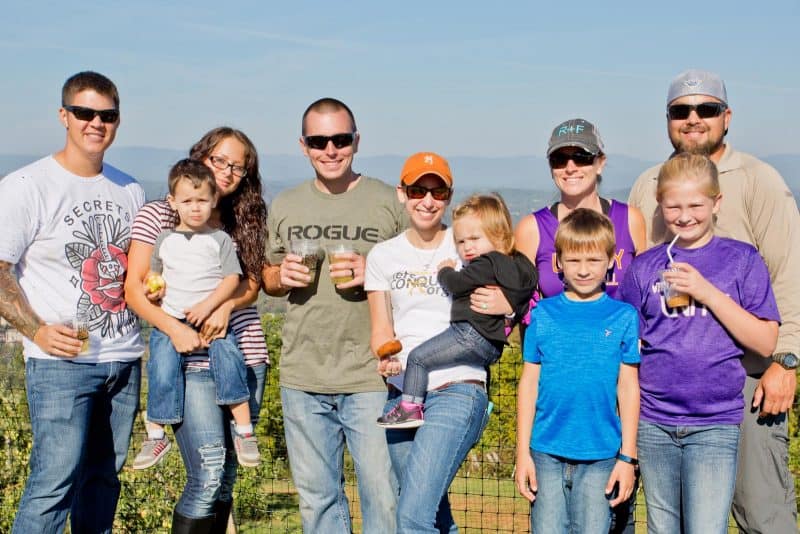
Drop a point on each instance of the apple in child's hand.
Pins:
(154, 282)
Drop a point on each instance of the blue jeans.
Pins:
(317, 427)
(426, 459)
(460, 344)
(623, 515)
(204, 439)
(571, 495)
(689, 473)
(165, 388)
(81, 416)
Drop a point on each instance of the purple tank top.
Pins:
(549, 281)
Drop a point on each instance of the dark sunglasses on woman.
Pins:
(417, 192)
(559, 160)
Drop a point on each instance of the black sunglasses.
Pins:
(706, 110)
(319, 142)
(559, 160)
(417, 192)
(88, 114)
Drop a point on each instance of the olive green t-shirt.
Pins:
(326, 331)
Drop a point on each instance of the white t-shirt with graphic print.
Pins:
(420, 307)
(68, 237)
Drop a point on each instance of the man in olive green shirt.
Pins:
(330, 389)
(757, 208)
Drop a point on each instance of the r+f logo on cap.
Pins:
(570, 129)
(428, 159)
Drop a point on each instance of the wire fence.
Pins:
(483, 495)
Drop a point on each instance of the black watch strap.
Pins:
(787, 360)
(627, 459)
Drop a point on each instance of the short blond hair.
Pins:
(495, 219)
(686, 167)
(585, 230)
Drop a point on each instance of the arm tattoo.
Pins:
(14, 307)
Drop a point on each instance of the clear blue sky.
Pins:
(461, 78)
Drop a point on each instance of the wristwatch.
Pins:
(787, 360)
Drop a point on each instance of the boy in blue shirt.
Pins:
(576, 454)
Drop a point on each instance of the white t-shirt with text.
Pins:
(68, 237)
(420, 306)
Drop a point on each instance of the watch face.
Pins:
(791, 361)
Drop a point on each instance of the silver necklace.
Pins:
(426, 265)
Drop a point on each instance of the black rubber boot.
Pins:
(187, 525)
(222, 511)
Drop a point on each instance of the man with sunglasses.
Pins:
(757, 208)
(330, 391)
(66, 228)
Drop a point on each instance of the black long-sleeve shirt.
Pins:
(514, 274)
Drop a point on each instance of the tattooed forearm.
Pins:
(14, 307)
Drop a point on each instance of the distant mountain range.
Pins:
(524, 181)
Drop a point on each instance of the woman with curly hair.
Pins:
(204, 435)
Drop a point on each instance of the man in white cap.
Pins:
(757, 208)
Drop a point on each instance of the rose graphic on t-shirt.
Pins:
(101, 278)
(100, 259)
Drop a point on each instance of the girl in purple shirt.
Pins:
(691, 377)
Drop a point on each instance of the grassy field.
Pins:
(483, 495)
(480, 505)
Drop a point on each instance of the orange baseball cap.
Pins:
(423, 163)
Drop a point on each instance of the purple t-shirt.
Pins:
(690, 373)
(549, 281)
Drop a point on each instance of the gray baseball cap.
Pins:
(697, 82)
(576, 132)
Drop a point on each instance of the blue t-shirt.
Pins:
(580, 346)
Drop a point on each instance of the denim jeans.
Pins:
(426, 459)
(571, 495)
(460, 344)
(688, 474)
(623, 515)
(204, 439)
(81, 416)
(165, 387)
(317, 427)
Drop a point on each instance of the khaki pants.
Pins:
(764, 501)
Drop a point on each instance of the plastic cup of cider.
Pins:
(309, 251)
(336, 254)
(80, 323)
(673, 297)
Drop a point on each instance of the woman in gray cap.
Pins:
(576, 157)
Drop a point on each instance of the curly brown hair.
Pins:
(243, 213)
